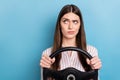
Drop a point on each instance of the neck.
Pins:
(69, 42)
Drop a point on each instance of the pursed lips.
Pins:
(70, 32)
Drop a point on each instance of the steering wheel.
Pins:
(70, 73)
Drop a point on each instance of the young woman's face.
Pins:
(70, 25)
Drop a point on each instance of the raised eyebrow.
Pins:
(65, 18)
(69, 19)
(75, 20)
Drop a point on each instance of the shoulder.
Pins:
(47, 51)
(92, 50)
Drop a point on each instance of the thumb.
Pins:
(53, 60)
(88, 61)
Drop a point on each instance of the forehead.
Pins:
(71, 16)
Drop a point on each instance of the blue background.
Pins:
(27, 28)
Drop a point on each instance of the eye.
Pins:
(75, 21)
(65, 21)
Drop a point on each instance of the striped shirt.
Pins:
(73, 60)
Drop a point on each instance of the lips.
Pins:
(70, 32)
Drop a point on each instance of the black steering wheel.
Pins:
(70, 73)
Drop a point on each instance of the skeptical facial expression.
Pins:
(70, 25)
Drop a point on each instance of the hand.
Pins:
(95, 62)
(46, 61)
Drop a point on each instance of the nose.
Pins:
(70, 25)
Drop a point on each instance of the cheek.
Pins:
(77, 29)
(63, 27)
(64, 31)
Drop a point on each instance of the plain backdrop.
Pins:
(27, 28)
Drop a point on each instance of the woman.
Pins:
(70, 32)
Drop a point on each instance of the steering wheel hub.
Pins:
(70, 77)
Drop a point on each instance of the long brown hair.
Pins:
(80, 38)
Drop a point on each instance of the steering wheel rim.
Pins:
(70, 48)
(70, 72)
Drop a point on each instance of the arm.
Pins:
(46, 61)
(95, 62)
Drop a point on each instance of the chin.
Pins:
(70, 37)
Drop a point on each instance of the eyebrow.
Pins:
(65, 18)
(69, 19)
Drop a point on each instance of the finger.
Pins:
(53, 60)
(94, 60)
(97, 65)
(88, 61)
(46, 59)
(42, 64)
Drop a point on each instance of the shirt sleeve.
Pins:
(47, 52)
(92, 50)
